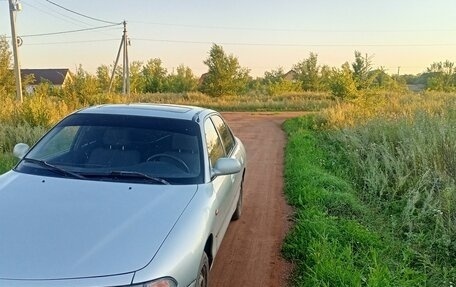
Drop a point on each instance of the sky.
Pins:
(404, 36)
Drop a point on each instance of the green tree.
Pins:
(7, 82)
(442, 76)
(362, 71)
(274, 83)
(273, 76)
(382, 81)
(325, 78)
(183, 81)
(137, 80)
(225, 76)
(308, 73)
(154, 76)
(342, 83)
(82, 87)
(103, 77)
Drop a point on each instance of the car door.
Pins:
(221, 184)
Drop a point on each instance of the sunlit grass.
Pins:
(387, 106)
(328, 243)
(406, 170)
(375, 193)
(42, 110)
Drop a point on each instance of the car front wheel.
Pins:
(203, 274)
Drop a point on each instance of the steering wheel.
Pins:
(181, 163)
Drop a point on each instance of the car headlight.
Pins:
(163, 282)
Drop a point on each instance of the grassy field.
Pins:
(44, 111)
(374, 192)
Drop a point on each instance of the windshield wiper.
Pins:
(54, 168)
(138, 175)
(122, 174)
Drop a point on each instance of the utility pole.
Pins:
(126, 69)
(115, 65)
(125, 65)
(15, 6)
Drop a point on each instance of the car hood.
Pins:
(56, 228)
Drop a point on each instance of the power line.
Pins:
(56, 14)
(71, 42)
(291, 29)
(63, 17)
(293, 45)
(70, 31)
(80, 14)
(241, 44)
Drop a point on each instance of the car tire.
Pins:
(203, 272)
(237, 213)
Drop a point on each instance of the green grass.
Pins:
(406, 171)
(7, 161)
(369, 210)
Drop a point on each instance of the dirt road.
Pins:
(250, 252)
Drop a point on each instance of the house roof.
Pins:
(290, 75)
(202, 78)
(54, 76)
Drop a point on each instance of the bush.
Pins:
(342, 83)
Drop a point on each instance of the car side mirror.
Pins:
(225, 166)
(20, 150)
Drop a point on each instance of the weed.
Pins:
(374, 198)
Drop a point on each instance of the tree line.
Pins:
(225, 76)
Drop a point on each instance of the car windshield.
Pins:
(119, 148)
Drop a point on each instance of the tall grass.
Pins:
(391, 106)
(332, 242)
(389, 163)
(11, 135)
(41, 109)
(406, 170)
(25, 133)
(303, 101)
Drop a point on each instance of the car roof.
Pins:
(149, 110)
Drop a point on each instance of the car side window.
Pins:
(214, 144)
(225, 133)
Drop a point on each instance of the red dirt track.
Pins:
(250, 252)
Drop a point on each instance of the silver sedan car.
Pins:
(121, 195)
